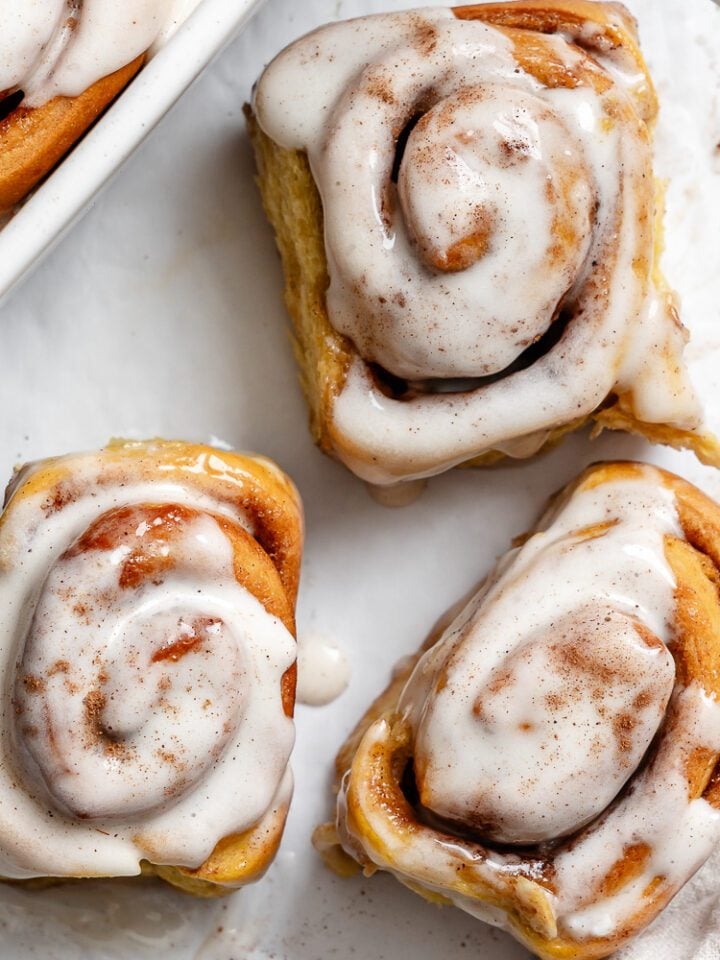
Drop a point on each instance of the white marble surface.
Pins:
(161, 314)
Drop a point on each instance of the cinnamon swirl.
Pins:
(147, 654)
(465, 207)
(549, 761)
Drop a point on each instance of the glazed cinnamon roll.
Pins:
(548, 762)
(147, 655)
(62, 62)
(470, 231)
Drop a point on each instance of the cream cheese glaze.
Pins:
(512, 203)
(61, 47)
(542, 698)
(532, 715)
(142, 717)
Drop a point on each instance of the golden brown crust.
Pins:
(370, 765)
(236, 860)
(294, 208)
(266, 563)
(618, 415)
(34, 139)
(295, 211)
(618, 29)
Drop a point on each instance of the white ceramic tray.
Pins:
(161, 314)
(65, 195)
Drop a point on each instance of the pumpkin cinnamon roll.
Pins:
(470, 230)
(549, 760)
(62, 64)
(147, 656)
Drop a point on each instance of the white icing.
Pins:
(521, 743)
(188, 741)
(323, 670)
(59, 48)
(524, 739)
(511, 199)
(26, 28)
(681, 835)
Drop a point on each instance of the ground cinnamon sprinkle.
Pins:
(623, 725)
(94, 704)
(380, 87)
(60, 666)
(33, 684)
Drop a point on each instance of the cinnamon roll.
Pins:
(549, 761)
(62, 63)
(470, 230)
(147, 656)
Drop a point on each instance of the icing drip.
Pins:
(147, 719)
(471, 210)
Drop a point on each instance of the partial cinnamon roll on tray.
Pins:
(147, 654)
(63, 62)
(549, 760)
(470, 229)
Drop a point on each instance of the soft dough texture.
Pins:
(606, 611)
(147, 638)
(333, 367)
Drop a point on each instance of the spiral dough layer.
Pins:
(550, 762)
(146, 637)
(488, 206)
